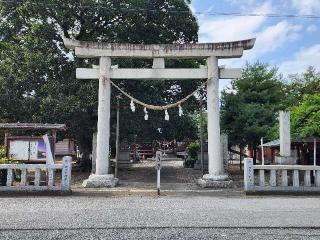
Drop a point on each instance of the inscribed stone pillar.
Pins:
(285, 137)
(285, 140)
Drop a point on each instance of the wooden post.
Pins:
(54, 139)
(6, 146)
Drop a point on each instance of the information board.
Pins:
(27, 150)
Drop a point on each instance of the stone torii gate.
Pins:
(158, 52)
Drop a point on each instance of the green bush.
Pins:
(5, 160)
(192, 149)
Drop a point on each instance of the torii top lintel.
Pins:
(86, 49)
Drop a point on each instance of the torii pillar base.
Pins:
(215, 181)
(100, 181)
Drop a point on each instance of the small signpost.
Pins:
(158, 168)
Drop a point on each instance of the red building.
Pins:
(303, 149)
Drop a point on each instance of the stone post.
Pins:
(158, 63)
(285, 140)
(102, 178)
(285, 136)
(224, 150)
(94, 152)
(216, 176)
(66, 173)
(248, 174)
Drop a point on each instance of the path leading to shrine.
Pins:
(191, 217)
(175, 178)
(143, 176)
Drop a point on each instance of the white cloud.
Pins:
(272, 38)
(312, 28)
(232, 28)
(302, 60)
(268, 40)
(243, 5)
(243, 27)
(307, 6)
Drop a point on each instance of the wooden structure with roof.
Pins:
(305, 148)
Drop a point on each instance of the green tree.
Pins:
(302, 100)
(249, 107)
(37, 73)
(301, 85)
(305, 118)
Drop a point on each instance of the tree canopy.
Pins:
(249, 107)
(305, 117)
(303, 100)
(37, 73)
(299, 86)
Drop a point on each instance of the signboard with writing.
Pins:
(27, 149)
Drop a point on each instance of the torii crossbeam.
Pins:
(158, 52)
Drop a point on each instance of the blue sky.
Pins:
(291, 44)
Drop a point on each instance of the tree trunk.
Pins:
(254, 148)
(85, 161)
(241, 156)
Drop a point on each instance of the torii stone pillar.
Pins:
(159, 52)
(216, 176)
(102, 178)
